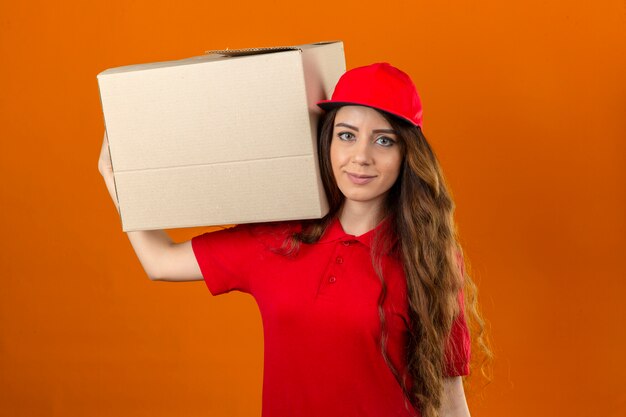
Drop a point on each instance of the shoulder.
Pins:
(255, 232)
(244, 241)
(271, 234)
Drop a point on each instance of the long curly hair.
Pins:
(420, 208)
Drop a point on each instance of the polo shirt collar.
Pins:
(335, 232)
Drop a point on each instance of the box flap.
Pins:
(161, 64)
(264, 50)
(252, 51)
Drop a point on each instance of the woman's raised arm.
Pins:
(161, 258)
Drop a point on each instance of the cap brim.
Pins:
(329, 105)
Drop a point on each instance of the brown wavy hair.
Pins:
(420, 208)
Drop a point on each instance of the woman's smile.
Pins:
(360, 179)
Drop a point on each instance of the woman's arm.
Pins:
(161, 258)
(453, 403)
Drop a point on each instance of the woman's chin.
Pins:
(362, 198)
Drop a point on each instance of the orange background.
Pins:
(524, 104)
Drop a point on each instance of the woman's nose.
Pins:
(361, 153)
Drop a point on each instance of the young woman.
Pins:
(363, 310)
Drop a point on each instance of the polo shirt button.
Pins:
(339, 260)
(332, 279)
(346, 243)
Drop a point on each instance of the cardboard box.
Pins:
(224, 138)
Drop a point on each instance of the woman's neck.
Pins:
(357, 219)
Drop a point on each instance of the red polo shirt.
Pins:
(320, 319)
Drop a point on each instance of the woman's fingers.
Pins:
(106, 169)
(104, 162)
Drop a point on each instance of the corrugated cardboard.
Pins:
(224, 138)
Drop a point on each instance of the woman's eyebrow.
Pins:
(347, 125)
(384, 131)
(373, 131)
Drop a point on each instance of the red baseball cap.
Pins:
(380, 86)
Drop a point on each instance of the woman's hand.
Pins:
(106, 169)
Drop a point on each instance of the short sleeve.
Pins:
(227, 258)
(458, 348)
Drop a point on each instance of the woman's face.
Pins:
(365, 154)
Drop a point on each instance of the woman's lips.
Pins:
(360, 179)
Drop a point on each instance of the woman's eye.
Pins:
(345, 136)
(385, 141)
